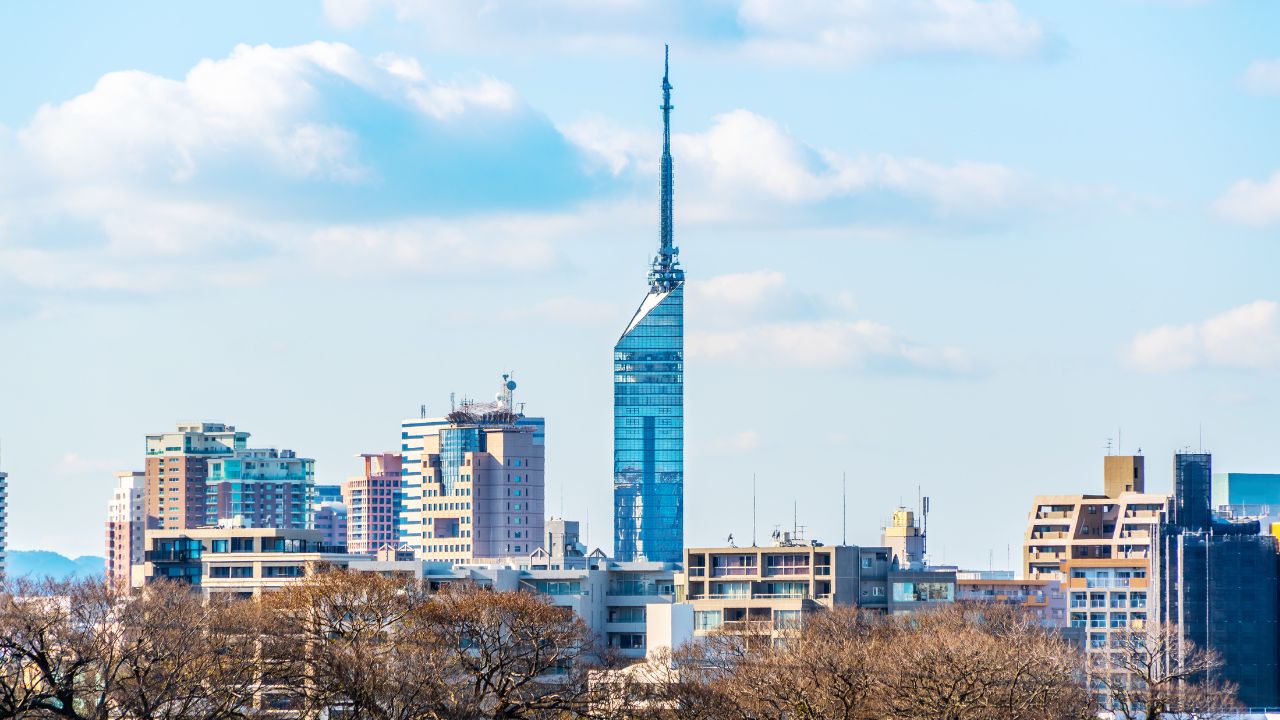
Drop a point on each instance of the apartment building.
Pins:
(263, 487)
(1046, 599)
(238, 561)
(1099, 547)
(373, 503)
(177, 470)
(767, 591)
(331, 522)
(126, 523)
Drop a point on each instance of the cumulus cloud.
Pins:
(746, 166)
(1247, 337)
(735, 318)
(1263, 77)
(807, 31)
(1251, 202)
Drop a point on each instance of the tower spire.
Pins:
(666, 273)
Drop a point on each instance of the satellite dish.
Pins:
(511, 384)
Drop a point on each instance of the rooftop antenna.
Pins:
(422, 411)
(452, 404)
(665, 274)
(844, 508)
(1109, 447)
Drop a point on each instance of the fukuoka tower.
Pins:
(648, 398)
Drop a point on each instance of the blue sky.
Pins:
(946, 244)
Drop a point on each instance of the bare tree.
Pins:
(1152, 673)
(507, 656)
(350, 642)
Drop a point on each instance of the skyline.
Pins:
(998, 248)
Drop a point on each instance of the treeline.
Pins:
(351, 646)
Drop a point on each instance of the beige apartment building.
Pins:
(767, 591)
(1099, 548)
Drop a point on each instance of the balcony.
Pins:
(747, 627)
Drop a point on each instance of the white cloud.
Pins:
(746, 166)
(1247, 337)
(733, 318)
(822, 31)
(851, 30)
(269, 108)
(1252, 203)
(1263, 77)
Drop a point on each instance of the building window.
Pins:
(627, 641)
(786, 619)
(707, 620)
(923, 592)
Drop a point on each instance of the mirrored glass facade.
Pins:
(648, 432)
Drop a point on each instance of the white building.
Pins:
(126, 523)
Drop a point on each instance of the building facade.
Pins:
(648, 399)
(177, 470)
(265, 488)
(126, 523)
(331, 522)
(328, 493)
(1045, 599)
(234, 560)
(1216, 581)
(767, 592)
(373, 503)
(473, 482)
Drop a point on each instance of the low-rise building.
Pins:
(1044, 598)
(236, 560)
(768, 590)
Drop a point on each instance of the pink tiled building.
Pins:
(371, 503)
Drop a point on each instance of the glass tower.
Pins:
(648, 400)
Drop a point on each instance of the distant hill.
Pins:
(46, 563)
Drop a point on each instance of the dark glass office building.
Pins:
(648, 400)
(1217, 583)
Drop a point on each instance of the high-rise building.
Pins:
(262, 488)
(473, 481)
(1217, 582)
(126, 522)
(4, 511)
(331, 522)
(177, 468)
(372, 502)
(648, 399)
(1099, 548)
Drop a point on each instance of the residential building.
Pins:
(611, 598)
(1105, 532)
(238, 561)
(126, 523)
(473, 482)
(562, 539)
(372, 502)
(177, 470)
(1216, 579)
(264, 487)
(331, 522)
(4, 513)
(648, 399)
(1099, 549)
(1046, 599)
(768, 591)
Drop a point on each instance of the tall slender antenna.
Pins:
(844, 508)
(753, 509)
(666, 273)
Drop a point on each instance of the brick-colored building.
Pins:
(177, 469)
